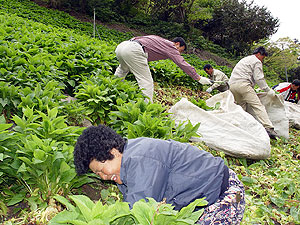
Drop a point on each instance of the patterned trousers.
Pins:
(230, 207)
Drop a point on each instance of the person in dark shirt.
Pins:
(147, 167)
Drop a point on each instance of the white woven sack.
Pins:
(229, 129)
(293, 114)
(276, 112)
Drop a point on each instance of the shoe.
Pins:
(272, 133)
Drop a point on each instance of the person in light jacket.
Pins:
(246, 73)
(134, 55)
(147, 167)
(221, 79)
(289, 91)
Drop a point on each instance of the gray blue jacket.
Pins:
(168, 169)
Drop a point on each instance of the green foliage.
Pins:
(84, 211)
(166, 72)
(42, 160)
(201, 103)
(9, 99)
(282, 63)
(41, 99)
(141, 119)
(35, 53)
(30, 10)
(101, 94)
(227, 28)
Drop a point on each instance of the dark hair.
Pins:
(296, 82)
(181, 41)
(260, 50)
(96, 142)
(207, 67)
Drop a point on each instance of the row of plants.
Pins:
(30, 10)
(34, 53)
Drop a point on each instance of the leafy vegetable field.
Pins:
(47, 60)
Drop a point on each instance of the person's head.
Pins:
(99, 148)
(208, 69)
(295, 85)
(180, 44)
(260, 53)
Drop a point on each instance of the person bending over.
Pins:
(246, 73)
(134, 55)
(147, 167)
(289, 91)
(218, 77)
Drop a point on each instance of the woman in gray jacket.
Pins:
(147, 167)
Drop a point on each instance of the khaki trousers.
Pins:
(133, 59)
(245, 96)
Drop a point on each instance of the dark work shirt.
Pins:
(179, 172)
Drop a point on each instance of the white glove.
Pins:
(204, 80)
(209, 89)
(271, 93)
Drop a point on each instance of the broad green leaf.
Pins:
(142, 212)
(84, 204)
(187, 211)
(64, 217)
(65, 202)
(22, 168)
(4, 126)
(16, 199)
(39, 154)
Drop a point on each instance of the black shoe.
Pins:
(272, 133)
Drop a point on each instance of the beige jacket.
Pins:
(249, 70)
(218, 75)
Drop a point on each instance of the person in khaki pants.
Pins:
(135, 54)
(216, 75)
(246, 73)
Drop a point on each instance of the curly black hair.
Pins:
(95, 143)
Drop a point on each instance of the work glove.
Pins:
(271, 93)
(204, 80)
(209, 90)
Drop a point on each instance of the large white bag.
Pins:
(276, 112)
(229, 129)
(293, 114)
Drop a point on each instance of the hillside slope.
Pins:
(202, 54)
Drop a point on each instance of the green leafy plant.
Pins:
(141, 119)
(42, 160)
(84, 211)
(101, 94)
(42, 98)
(9, 99)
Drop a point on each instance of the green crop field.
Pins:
(47, 56)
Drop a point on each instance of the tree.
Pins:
(283, 58)
(236, 25)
